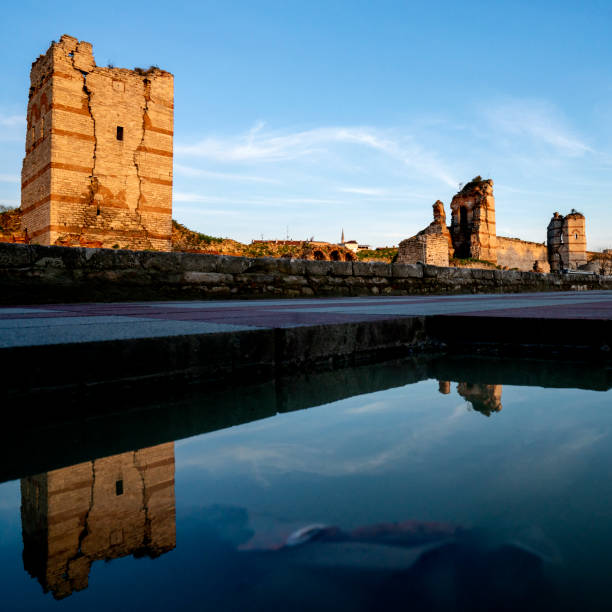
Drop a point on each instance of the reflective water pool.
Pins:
(438, 494)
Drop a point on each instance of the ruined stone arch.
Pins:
(335, 256)
(319, 255)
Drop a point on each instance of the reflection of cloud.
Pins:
(369, 408)
(584, 439)
(325, 460)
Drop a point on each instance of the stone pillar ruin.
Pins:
(472, 229)
(432, 246)
(99, 150)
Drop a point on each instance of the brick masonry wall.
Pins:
(41, 274)
(79, 179)
(520, 254)
(430, 249)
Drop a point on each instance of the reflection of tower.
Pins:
(102, 509)
(444, 386)
(484, 398)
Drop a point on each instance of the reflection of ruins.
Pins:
(103, 509)
(484, 398)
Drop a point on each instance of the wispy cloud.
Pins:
(367, 191)
(12, 120)
(9, 178)
(539, 122)
(224, 176)
(259, 146)
(241, 200)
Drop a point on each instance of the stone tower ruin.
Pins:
(98, 163)
(566, 241)
(473, 221)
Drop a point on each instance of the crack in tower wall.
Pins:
(118, 124)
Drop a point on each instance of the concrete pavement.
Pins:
(66, 344)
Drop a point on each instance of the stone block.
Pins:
(400, 270)
(208, 278)
(342, 268)
(296, 266)
(430, 271)
(371, 268)
(200, 262)
(317, 268)
(234, 265)
(482, 274)
(15, 255)
(159, 262)
(461, 275)
(255, 278)
(265, 265)
(292, 279)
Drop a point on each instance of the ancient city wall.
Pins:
(520, 254)
(41, 274)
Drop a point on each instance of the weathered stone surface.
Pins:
(98, 164)
(473, 221)
(293, 280)
(14, 255)
(202, 262)
(427, 248)
(342, 268)
(234, 265)
(317, 268)
(371, 268)
(211, 278)
(522, 255)
(255, 278)
(566, 242)
(34, 273)
(402, 270)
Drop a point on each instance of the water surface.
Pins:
(438, 494)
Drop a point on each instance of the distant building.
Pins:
(566, 241)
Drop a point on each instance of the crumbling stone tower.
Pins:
(472, 227)
(98, 164)
(566, 241)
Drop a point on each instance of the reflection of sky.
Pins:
(406, 452)
(410, 452)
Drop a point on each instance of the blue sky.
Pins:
(319, 115)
